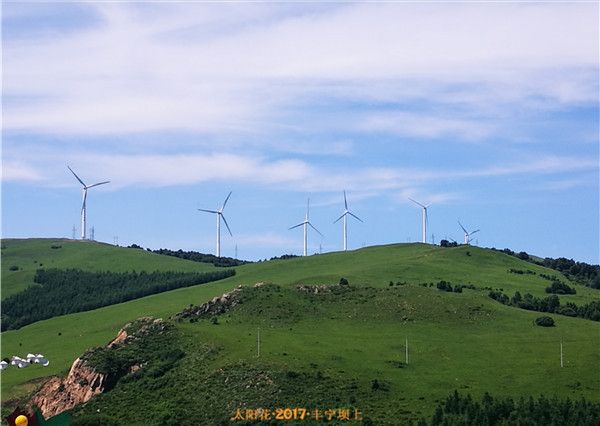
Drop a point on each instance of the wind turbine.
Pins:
(83, 209)
(305, 224)
(425, 218)
(345, 217)
(220, 216)
(467, 233)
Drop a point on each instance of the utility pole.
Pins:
(236, 251)
(73, 232)
(92, 233)
(258, 344)
(432, 238)
(116, 240)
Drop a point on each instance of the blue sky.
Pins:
(487, 111)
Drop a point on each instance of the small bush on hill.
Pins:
(444, 285)
(544, 322)
(446, 243)
(558, 287)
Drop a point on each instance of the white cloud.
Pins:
(285, 174)
(425, 125)
(236, 69)
(19, 172)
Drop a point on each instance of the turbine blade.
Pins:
(319, 232)
(345, 202)
(97, 184)
(463, 228)
(416, 202)
(335, 221)
(84, 199)
(208, 211)
(474, 232)
(295, 226)
(76, 177)
(355, 217)
(226, 199)
(224, 220)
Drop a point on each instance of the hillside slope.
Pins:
(31, 254)
(64, 338)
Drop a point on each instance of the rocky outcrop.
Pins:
(84, 381)
(80, 385)
(322, 288)
(216, 306)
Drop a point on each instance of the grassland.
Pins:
(32, 254)
(326, 350)
(458, 341)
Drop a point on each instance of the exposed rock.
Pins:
(119, 339)
(322, 288)
(83, 381)
(216, 306)
(80, 385)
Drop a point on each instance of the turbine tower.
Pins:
(345, 217)
(220, 216)
(305, 224)
(425, 218)
(467, 233)
(83, 209)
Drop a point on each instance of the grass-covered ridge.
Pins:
(22, 258)
(502, 353)
(344, 347)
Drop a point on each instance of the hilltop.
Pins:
(464, 341)
(21, 258)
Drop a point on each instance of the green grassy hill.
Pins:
(32, 254)
(458, 341)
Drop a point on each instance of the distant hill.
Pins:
(22, 257)
(339, 348)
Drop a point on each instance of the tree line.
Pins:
(550, 304)
(581, 272)
(194, 256)
(464, 410)
(65, 291)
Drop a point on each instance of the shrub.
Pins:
(558, 287)
(445, 286)
(343, 281)
(544, 322)
(13, 268)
